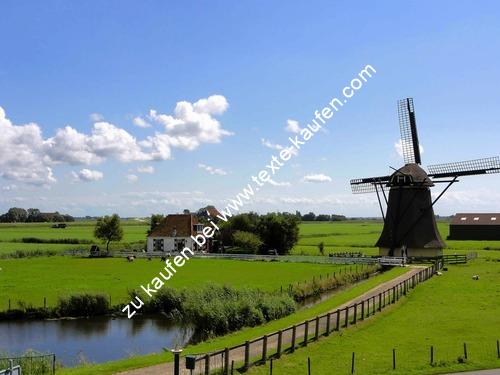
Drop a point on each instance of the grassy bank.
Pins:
(240, 336)
(444, 312)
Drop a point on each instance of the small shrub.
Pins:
(83, 305)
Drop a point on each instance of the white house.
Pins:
(174, 234)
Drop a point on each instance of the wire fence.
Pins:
(453, 357)
(30, 364)
(288, 340)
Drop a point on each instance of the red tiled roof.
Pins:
(476, 219)
(182, 225)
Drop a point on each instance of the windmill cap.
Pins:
(411, 174)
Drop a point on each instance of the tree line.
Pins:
(33, 215)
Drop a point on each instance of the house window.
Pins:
(463, 218)
(158, 244)
(493, 219)
(198, 228)
(476, 219)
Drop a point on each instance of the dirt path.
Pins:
(239, 355)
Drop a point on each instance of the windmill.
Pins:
(410, 227)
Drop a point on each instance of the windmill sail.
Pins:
(409, 136)
(465, 168)
(369, 185)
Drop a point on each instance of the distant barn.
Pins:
(475, 227)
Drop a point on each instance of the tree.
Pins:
(309, 217)
(15, 215)
(279, 231)
(108, 228)
(156, 220)
(247, 241)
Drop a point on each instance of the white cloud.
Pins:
(21, 153)
(146, 169)
(11, 187)
(274, 146)
(267, 143)
(27, 157)
(141, 123)
(95, 117)
(398, 146)
(132, 178)
(317, 178)
(274, 183)
(292, 126)
(87, 175)
(193, 123)
(212, 170)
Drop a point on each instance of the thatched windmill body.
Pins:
(410, 227)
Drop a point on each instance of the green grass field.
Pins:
(30, 280)
(337, 236)
(11, 235)
(445, 312)
(361, 236)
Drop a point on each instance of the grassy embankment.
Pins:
(445, 312)
(240, 336)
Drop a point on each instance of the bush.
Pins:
(83, 305)
(247, 241)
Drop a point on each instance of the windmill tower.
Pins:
(410, 227)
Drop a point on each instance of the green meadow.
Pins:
(11, 236)
(31, 279)
(354, 236)
(351, 236)
(444, 312)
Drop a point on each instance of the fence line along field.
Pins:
(32, 279)
(444, 313)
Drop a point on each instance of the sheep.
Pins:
(475, 277)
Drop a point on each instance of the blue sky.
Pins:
(68, 64)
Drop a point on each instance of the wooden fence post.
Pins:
(207, 364)
(394, 359)
(352, 362)
(316, 333)
(368, 307)
(264, 349)
(294, 333)
(355, 313)
(432, 355)
(346, 323)
(380, 302)
(247, 355)
(306, 332)
(280, 343)
(373, 305)
(465, 350)
(328, 316)
(363, 310)
(337, 325)
(226, 361)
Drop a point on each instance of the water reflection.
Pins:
(94, 339)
